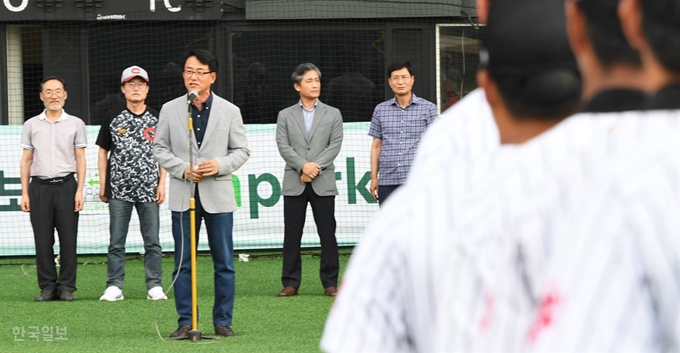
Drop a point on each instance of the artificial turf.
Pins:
(263, 322)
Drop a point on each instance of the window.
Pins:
(457, 62)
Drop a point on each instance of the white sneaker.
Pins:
(112, 294)
(156, 293)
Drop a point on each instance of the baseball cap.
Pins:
(132, 72)
(526, 50)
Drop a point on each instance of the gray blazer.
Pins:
(224, 140)
(321, 147)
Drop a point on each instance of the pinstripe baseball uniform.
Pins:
(449, 275)
(628, 243)
(614, 275)
(467, 131)
(506, 236)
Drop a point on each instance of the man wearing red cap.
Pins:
(130, 177)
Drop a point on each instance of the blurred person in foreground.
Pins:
(612, 283)
(575, 228)
(390, 298)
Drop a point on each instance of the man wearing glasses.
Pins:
(53, 151)
(218, 147)
(129, 176)
(396, 128)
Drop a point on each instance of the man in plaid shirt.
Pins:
(396, 128)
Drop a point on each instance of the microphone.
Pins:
(192, 95)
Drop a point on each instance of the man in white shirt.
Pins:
(476, 279)
(389, 299)
(616, 270)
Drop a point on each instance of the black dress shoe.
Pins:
(224, 331)
(46, 295)
(66, 296)
(181, 333)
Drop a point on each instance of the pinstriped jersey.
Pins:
(615, 271)
(505, 232)
(458, 263)
(464, 133)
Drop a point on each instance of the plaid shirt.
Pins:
(400, 130)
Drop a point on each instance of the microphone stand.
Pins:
(195, 334)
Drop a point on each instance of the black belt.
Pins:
(54, 181)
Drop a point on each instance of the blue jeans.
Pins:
(119, 214)
(219, 227)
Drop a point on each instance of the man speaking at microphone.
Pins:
(218, 148)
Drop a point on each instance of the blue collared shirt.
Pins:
(400, 130)
(308, 115)
(201, 119)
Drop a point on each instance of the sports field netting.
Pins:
(258, 43)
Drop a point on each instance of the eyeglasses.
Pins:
(131, 84)
(50, 92)
(199, 74)
(403, 78)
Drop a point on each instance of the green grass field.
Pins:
(263, 322)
